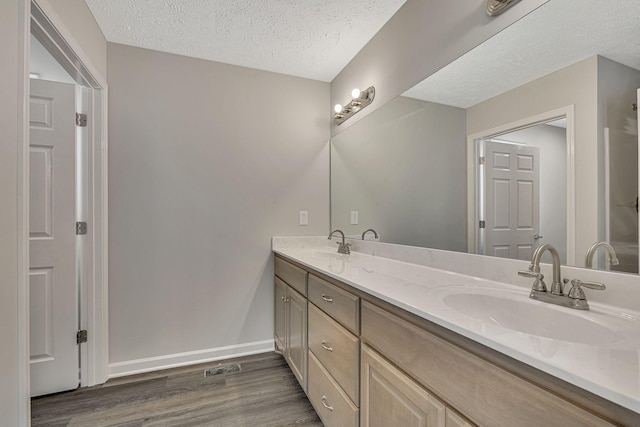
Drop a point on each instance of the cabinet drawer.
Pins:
(331, 403)
(489, 395)
(292, 275)
(337, 349)
(338, 303)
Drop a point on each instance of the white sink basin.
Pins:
(515, 311)
(531, 318)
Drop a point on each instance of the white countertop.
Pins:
(610, 370)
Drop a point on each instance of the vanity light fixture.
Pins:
(361, 98)
(496, 7)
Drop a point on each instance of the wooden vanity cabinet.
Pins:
(387, 367)
(334, 353)
(391, 398)
(290, 318)
(487, 394)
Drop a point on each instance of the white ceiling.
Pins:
(558, 34)
(314, 39)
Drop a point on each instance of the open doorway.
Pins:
(67, 215)
(521, 187)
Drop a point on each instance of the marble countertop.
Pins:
(610, 369)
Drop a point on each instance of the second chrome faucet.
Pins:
(343, 248)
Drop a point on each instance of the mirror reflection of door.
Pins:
(512, 199)
(522, 191)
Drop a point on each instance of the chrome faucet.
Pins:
(613, 259)
(556, 284)
(375, 235)
(343, 248)
(574, 299)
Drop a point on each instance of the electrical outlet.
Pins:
(354, 217)
(303, 218)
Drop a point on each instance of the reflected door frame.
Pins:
(473, 194)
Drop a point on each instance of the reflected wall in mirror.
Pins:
(408, 169)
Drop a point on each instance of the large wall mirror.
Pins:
(530, 138)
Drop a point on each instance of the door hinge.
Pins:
(81, 228)
(81, 336)
(81, 120)
(482, 224)
(482, 160)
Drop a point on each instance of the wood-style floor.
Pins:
(263, 393)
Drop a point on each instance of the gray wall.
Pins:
(422, 37)
(13, 400)
(207, 162)
(79, 20)
(574, 85)
(403, 169)
(617, 91)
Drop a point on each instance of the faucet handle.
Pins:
(576, 291)
(531, 274)
(538, 284)
(343, 248)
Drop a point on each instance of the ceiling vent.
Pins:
(496, 7)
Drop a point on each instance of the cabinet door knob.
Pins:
(326, 404)
(326, 346)
(327, 298)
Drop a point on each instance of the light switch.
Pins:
(354, 217)
(303, 218)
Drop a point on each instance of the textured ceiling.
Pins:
(306, 38)
(558, 34)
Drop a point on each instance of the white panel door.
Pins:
(53, 298)
(512, 200)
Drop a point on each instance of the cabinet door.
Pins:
(296, 353)
(390, 398)
(280, 315)
(455, 420)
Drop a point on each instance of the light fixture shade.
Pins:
(355, 93)
(338, 108)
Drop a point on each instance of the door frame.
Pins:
(42, 18)
(473, 215)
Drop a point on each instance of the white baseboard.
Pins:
(138, 366)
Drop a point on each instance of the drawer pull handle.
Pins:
(326, 298)
(326, 346)
(282, 298)
(325, 404)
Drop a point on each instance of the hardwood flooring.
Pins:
(263, 393)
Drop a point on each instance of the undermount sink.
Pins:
(516, 312)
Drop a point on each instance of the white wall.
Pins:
(207, 162)
(573, 85)
(422, 37)
(385, 168)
